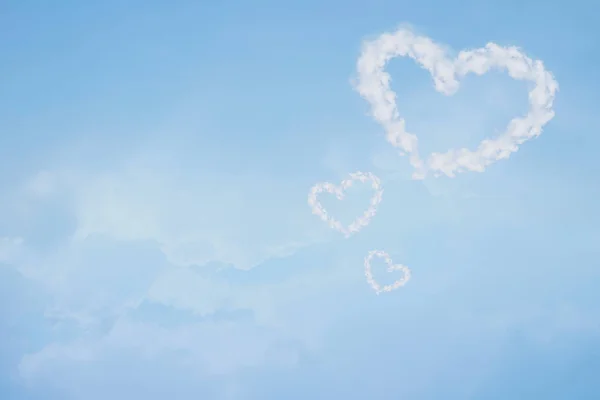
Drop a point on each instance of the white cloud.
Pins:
(390, 268)
(281, 324)
(133, 226)
(132, 223)
(280, 305)
(93, 279)
(194, 218)
(374, 85)
(338, 191)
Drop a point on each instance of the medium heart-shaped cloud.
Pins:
(390, 268)
(338, 191)
(374, 85)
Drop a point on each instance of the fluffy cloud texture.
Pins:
(374, 85)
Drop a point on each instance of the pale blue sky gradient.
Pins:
(155, 160)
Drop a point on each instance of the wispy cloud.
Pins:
(195, 218)
(374, 85)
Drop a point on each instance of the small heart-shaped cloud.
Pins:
(374, 85)
(390, 268)
(338, 191)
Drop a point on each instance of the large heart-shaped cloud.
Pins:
(390, 268)
(338, 191)
(374, 85)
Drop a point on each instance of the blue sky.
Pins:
(155, 238)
